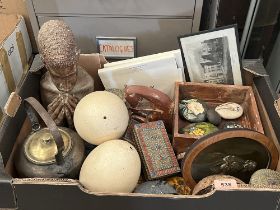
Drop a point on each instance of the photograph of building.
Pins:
(215, 61)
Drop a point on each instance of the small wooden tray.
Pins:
(214, 95)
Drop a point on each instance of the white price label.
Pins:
(225, 184)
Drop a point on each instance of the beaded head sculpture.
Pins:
(59, 53)
(65, 83)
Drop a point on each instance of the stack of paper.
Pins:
(160, 71)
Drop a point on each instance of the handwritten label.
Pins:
(116, 47)
(225, 184)
(11, 50)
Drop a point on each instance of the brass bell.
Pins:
(49, 152)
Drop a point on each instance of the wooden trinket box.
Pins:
(155, 149)
(214, 95)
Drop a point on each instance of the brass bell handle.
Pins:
(32, 106)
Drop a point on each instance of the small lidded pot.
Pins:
(49, 152)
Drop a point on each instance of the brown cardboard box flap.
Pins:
(76, 184)
(255, 67)
(18, 7)
(93, 62)
(7, 24)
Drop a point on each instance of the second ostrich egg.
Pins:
(113, 167)
(101, 116)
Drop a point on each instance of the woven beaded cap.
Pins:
(57, 44)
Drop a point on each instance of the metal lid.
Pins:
(40, 147)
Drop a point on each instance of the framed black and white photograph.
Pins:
(212, 56)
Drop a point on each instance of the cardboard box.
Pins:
(19, 7)
(60, 194)
(15, 53)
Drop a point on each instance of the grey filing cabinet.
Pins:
(155, 23)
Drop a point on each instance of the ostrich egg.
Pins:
(112, 167)
(100, 116)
